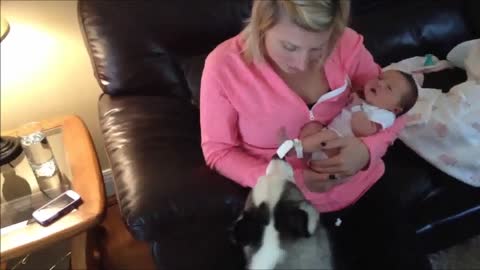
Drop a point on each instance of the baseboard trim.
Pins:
(108, 181)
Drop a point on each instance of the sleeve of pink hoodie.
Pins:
(361, 67)
(219, 130)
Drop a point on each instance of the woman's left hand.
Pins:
(352, 157)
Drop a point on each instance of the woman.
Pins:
(295, 62)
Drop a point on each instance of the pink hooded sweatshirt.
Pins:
(244, 105)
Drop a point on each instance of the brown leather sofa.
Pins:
(148, 58)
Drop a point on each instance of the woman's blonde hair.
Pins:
(310, 15)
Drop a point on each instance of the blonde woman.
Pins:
(295, 62)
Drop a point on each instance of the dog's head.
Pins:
(275, 212)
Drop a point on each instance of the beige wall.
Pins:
(45, 68)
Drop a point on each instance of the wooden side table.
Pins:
(86, 179)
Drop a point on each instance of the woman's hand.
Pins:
(353, 156)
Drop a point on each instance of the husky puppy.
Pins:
(279, 228)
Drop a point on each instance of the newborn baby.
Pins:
(369, 111)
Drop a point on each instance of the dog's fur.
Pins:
(278, 228)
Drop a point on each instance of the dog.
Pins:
(279, 228)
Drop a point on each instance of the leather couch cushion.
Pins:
(443, 210)
(445, 79)
(136, 48)
(398, 31)
(129, 59)
(472, 7)
(192, 70)
(161, 182)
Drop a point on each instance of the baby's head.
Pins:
(393, 90)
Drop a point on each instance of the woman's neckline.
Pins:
(269, 65)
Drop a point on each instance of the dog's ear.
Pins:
(291, 221)
(248, 229)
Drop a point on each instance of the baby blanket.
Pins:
(444, 128)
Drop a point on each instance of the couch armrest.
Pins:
(161, 181)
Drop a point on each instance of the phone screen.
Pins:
(54, 207)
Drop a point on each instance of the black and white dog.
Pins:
(279, 228)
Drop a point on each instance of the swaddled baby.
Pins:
(369, 111)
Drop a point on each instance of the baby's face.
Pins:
(387, 90)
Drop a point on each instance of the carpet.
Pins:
(463, 256)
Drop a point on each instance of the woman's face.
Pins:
(293, 49)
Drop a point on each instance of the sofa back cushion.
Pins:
(158, 47)
(399, 30)
(136, 47)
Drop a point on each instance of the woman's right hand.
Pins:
(314, 181)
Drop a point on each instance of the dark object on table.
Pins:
(10, 149)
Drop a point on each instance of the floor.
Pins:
(119, 249)
(121, 252)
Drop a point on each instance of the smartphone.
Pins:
(57, 207)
